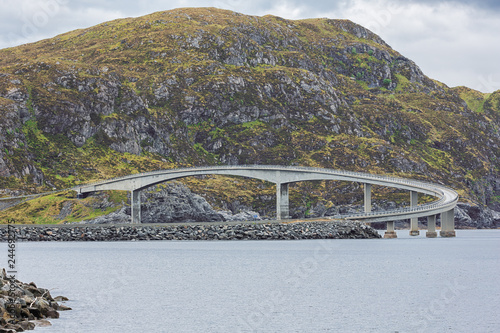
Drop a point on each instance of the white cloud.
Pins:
(35, 20)
(452, 42)
(448, 42)
(87, 17)
(289, 11)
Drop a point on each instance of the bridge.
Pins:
(282, 176)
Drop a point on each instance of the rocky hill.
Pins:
(203, 86)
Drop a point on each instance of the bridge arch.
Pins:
(282, 176)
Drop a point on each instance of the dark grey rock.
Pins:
(174, 202)
(474, 216)
(241, 216)
(317, 211)
(19, 310)
(303, 230)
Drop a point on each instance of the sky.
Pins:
(454, 41)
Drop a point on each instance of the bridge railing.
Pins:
(368, 176)
(277, 167)
(400, 211)
(438, 189)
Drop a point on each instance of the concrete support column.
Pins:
(282, 201)
(448, 224)
(135, 205)
(390, 233)
(414, 221)
(368, 198)
(431, 226)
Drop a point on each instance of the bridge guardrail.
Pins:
(420, 208)
(257, 166)
(438, 189)
(328, 171)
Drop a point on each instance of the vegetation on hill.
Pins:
(203, 86)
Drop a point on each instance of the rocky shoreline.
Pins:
(208, 231)
(23, 306)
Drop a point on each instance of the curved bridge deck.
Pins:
(282, 176)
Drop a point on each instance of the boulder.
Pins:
(51, 313)
(27, 325)
(19, 312)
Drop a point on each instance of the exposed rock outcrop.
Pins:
(174, 202)
(473, 216)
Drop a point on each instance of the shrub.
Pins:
(387, 82)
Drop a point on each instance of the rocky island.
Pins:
(204, 86)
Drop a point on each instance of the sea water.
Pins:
(408, 284)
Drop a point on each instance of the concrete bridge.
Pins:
(282, 176)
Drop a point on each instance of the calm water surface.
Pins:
(386, 285)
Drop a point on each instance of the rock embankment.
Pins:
(24, 306)
(240, 231)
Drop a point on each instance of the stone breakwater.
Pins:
(24, 306)
(219, 231)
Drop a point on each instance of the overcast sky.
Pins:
(454, 41)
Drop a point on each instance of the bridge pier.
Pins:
(448, 223)
(390, 233)
(368, 197)
(414, 221)
(431, 226)
(135, 205)
(282, 201)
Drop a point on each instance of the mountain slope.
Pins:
(207, 86)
